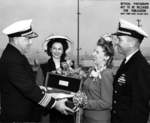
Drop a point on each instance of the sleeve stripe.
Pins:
(45, 100)
(42, 99)
(53, 104)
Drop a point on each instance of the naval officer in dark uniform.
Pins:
(21, 98)
(132, 81)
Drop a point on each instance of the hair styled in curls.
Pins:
(57, 40)
(108, 50)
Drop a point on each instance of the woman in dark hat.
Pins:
(57, 48)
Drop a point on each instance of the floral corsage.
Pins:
(95, 73)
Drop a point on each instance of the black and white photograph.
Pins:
(74, 61)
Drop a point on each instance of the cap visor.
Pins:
(119, 34)
(32, 35)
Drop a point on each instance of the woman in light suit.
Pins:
(98, 86)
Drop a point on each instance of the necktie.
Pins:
(122, 64)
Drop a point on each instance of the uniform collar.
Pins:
(129, 56)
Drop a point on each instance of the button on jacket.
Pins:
(131, 91)
(19, 93)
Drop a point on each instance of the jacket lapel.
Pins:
(123, 67)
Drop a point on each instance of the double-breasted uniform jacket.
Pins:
(131, 91)
(19, 93)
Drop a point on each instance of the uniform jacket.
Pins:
(132, 91)
(19, 93)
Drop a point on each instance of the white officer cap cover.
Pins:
(55, 38)
(20, 29)
(127, 28)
